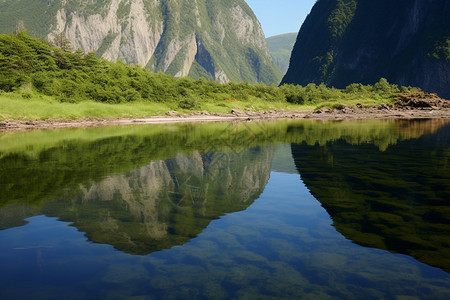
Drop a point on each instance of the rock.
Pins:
(237, 112)
(421, 100)
(383, 106)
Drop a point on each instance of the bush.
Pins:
(355, 88)
(383, 86)
(74, 77)
(26, 95)
(188, 102)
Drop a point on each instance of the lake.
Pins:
(259, 210)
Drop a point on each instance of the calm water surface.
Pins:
(291, 209)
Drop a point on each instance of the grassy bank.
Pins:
(39, 81)
(14, 106)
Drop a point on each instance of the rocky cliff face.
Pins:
(217, 39)
(347, 41)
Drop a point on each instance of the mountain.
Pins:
(216, 39)
(280, 47)
(347, 41)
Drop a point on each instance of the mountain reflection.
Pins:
(147, 188)
(395, 198)
(165, 203)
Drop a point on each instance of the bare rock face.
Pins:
(218, 39)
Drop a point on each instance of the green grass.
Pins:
(15, 107)
(252, 104)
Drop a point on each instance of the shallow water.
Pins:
(298, 209)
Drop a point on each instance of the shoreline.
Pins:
(337, 114)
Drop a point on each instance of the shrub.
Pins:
(383, 86)
(74, 77)
(354, 88)
(188, 102)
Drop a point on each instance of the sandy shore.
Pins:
(345, 113)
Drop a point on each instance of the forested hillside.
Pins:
(356, 41)
(32, 68)
(280, 47)
(215, 39)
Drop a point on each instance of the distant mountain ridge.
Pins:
(280, 47)
(347, 41)
(216, 39)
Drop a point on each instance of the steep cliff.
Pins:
(347, 41)
(217, 39)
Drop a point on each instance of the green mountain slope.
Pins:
(217, 39)
(280, 47)
(348, 41)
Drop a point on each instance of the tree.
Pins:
(60, 40)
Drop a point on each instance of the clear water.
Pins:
(311, 210)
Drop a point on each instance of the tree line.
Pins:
(29, 65)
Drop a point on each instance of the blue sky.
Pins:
(281, 16)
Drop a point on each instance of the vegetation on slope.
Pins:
(321, 32)
(37, 71)
(348, 41)
(280, 47)
(240, 61)
(441, 49)
(226, 45)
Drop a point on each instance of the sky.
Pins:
(281, 16)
